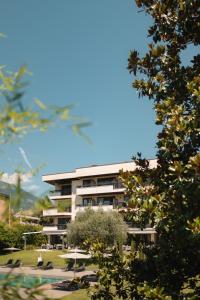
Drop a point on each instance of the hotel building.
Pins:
(95, 186)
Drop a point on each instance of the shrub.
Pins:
(90, 226)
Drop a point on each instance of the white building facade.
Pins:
(94, 186)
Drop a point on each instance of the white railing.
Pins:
(54, 227)
(49, 228)
(91, 190)
(96, 207)
(54, 212)
(135, 230)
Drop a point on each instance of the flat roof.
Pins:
(94, 170)
(96, 165)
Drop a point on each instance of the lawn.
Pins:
(29, 258)
(79, 295)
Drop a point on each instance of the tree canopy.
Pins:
(106, 227)
(166, 197)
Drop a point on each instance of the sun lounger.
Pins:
(16, 264)
(66, 285)
(69, 266)
(80, 268)
(48, 266)
(60, 283)
(39, 265)
(9, 263)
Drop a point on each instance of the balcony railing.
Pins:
(116, 185)
(116, 204)
(98, 189)
(56, 212)
(55, 226)
(62, 192)
(95, 204)
(136, 225)
(95, 207)
(62, 226)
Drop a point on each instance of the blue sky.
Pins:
(77, 51)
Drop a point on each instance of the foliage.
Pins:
(90, 226)
(3, 236)
(41, 204)
(64, 205)
(12, 236)
(16, 120)
(166, 197)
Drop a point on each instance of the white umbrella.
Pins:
(11, 249)
(76, 250)
(75, 255)
(42, 250)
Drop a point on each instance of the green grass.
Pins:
(79, 295)
(29, 258)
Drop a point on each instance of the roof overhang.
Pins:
(141, 231)
(54, 232)
(31, 232)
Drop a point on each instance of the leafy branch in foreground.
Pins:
(166, 197)
(11, 288)
(17, 118)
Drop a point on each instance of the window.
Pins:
(62, 221)
(106, 181)
(66, 189)
(88, 182)
(105, 200)
(87, 201)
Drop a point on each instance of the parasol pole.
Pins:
(75, 263)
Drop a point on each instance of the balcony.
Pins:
(133, 229)
(53, 228)
(95, 207)
(60, 194)
(99, 189)
(53, 212)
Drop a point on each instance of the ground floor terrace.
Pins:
(56, 237)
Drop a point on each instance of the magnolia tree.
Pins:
(166, 197)
(105, 227)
